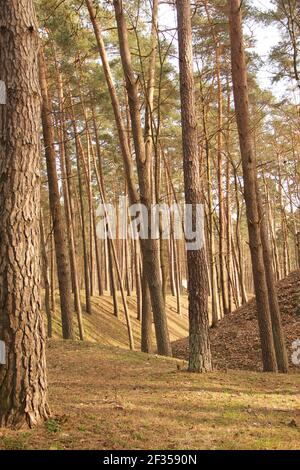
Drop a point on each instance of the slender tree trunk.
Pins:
(239, 242)
(149, 250)
(113, 287)
(80, 164)
(199, 344)
(113, 253)
(61, 249)
(240, 90)
(65, 163)
(149, 246)
(213, 265)
(279, 340)
(23, 380)
(146, 340)
(52, 272)
(222, 226)
(45, 270)
(138, 279)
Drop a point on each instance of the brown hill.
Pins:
(235, 341)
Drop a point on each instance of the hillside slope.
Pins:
(104, 328)
(235, 341)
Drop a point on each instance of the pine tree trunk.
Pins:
(199, 344)
(61, 249)
(23, 381)
(149, 246)
(279, 340)
(240, 90)
(146, 339)
(80, 164)
(69, 214)
(45, 270)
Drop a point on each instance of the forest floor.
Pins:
(105, 397)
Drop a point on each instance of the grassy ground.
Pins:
(105, 397)
(104, 328)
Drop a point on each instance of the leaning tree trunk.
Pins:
(149, 246)
(23, 381)
(199, 345)
(149, 249)
(240, 91)
(278, 334)
(61, 248)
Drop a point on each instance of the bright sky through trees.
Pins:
(265, 38)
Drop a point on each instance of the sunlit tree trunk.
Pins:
(59, 229)
(199, 344)
(240, 89)
(23, 381)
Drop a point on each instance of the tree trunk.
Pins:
(149, 246)
(80, 164)
(278, 335)
(149, 250)
(199, 344)
(45, 270)
(240, 90)
(69, 214)
(23, 381)
(146, 339)
(61, 249)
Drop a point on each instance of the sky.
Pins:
(266, 38)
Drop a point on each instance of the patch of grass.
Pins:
(52, 425)
(81, 428)
(17, 442)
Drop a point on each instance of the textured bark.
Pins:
(61, 248)
(45, 270)
(278, 335)
(238, 242)
(23, 381)
(146, 337)
(240, 90)
(199, 345)
(146, 330)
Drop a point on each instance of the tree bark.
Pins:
(149, 246)
(199, 344)
(23, 380)
(61, 249)
(240, 90)
(278, 335)
(45, 270)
